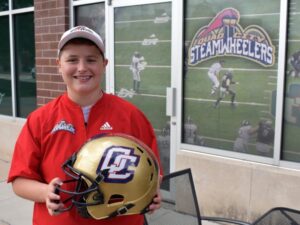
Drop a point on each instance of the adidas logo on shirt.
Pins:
(106, 126)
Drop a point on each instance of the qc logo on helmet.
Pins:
(118, 160)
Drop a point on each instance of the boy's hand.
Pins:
(53, 202)
(156, 202)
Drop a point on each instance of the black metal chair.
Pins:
(179, 203)
(279, 216)
(180, 206)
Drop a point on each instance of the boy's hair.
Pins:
(80, 41)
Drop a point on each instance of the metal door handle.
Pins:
(171, 101)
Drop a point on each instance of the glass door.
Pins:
(141, 62)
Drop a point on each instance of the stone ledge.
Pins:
(239, 189)
(10, 128)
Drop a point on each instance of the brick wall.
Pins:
(51, 19)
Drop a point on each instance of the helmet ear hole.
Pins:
(115, 199)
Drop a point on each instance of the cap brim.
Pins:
(81, 34)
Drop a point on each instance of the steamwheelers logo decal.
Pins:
(225, 37)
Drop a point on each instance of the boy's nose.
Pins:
(81, 66)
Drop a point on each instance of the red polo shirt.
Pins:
(55, 131)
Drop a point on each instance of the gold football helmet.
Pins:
(115, 174)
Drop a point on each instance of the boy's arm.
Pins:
(39, 192)
(30, 189)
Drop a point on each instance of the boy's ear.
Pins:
(105, 61)
(58, 64)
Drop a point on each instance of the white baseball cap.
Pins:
(81, 32)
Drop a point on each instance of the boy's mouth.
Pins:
(83, 78)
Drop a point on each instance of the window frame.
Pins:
(276, 159)
(177, 56)
(11, 13)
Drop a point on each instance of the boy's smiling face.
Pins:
(82, 67)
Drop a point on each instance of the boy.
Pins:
(55, 131)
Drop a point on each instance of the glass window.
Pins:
(291, 124)
(142, 45)
(92, 16)
(25, 63)
(22, 4)
(5, 76)
(230, 74)
(3, 5)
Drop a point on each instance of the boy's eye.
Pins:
(72, 60)
(91, 60)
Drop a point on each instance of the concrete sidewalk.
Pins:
(15, 210)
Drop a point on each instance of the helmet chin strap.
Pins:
(122, 210)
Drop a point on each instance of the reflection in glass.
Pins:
(3, 5)
(229, 98)
(5, 76)
(92, 16)
(22, 4)
(143, 64)
(291, 122)
(25, 63)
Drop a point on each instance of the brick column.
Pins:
(51, 19)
